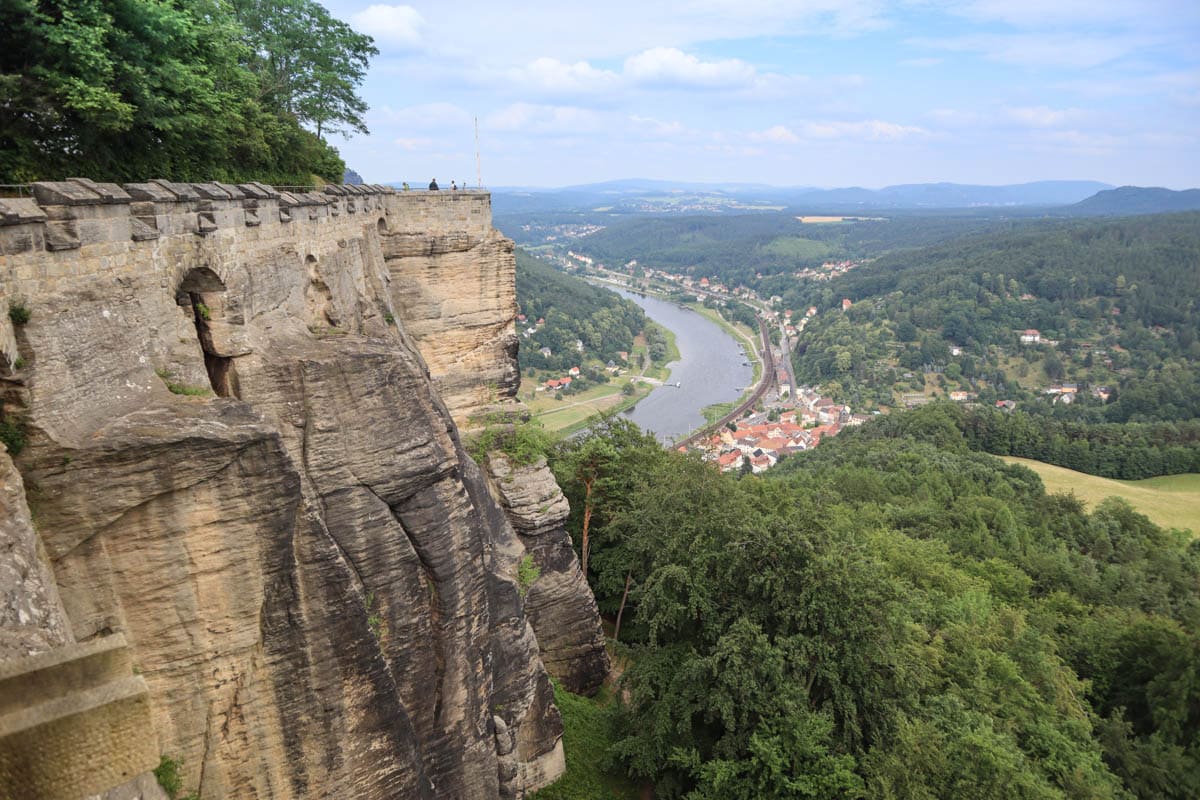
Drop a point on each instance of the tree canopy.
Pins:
(888, 616)
(187, 90)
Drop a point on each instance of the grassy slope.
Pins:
(1172, 501)
(586, 739)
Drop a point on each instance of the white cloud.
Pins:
(921, 62)
(1042, 116)
(1081, 142)
(668, 66)
(871, 130)
(552, 75)
(542, 119)
(1144, 14)
(1039, 50)
(954, 118)
(657, 127)
(390, 25)
(413, 144)
(425, 117)
(778, 134)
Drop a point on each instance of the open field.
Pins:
(1172, 501)
(575, 411)
(821, 219)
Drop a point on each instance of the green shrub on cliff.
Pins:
(522, 442)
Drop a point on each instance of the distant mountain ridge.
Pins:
(632, 191)
(1131, 200)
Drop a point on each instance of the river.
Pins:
(712, 368)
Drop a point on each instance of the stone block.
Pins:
(82, 743)
(14, 241)
(61, 235)
(20, 211)
(109, 192)
(211, 191)
(268, 191)
(151, 192)
(234, 192)
(64, 193)
(143, 228)
(180, 191)
(73, 721)
(255, 191)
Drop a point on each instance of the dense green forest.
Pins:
(573, 311)
(1114, 303)
(888, 616)
(737, 249)
(1128, 451)
(201, 90)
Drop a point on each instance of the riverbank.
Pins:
(573, 412)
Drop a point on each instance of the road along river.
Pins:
(712, 368)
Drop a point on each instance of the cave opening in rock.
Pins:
(204, 292)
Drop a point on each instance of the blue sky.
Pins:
(807, 92)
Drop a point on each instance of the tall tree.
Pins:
(308, 62)
(131, 89)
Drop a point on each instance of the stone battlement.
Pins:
(68, 215)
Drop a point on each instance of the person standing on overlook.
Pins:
(433, 187)
(453, 186)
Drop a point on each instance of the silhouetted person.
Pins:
(433, 187)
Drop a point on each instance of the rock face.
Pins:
(560, 604)
(238, 460)
(454, 281)
(32, 619)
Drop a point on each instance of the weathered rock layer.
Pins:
(314, 581)
(560, 604)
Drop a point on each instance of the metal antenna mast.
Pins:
(478, 172)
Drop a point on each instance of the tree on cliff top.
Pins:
(308, 62)
(131, 89)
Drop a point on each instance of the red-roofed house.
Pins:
(731, 460)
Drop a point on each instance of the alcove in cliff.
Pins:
(204, 292)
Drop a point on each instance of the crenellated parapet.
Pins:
(68, 215)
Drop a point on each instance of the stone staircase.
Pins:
(74, 721)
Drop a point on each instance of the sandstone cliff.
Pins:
(238, 459)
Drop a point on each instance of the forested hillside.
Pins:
(572, 311)
(887, 616)
(737, 249)
(189, 90)
(1107, 304)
